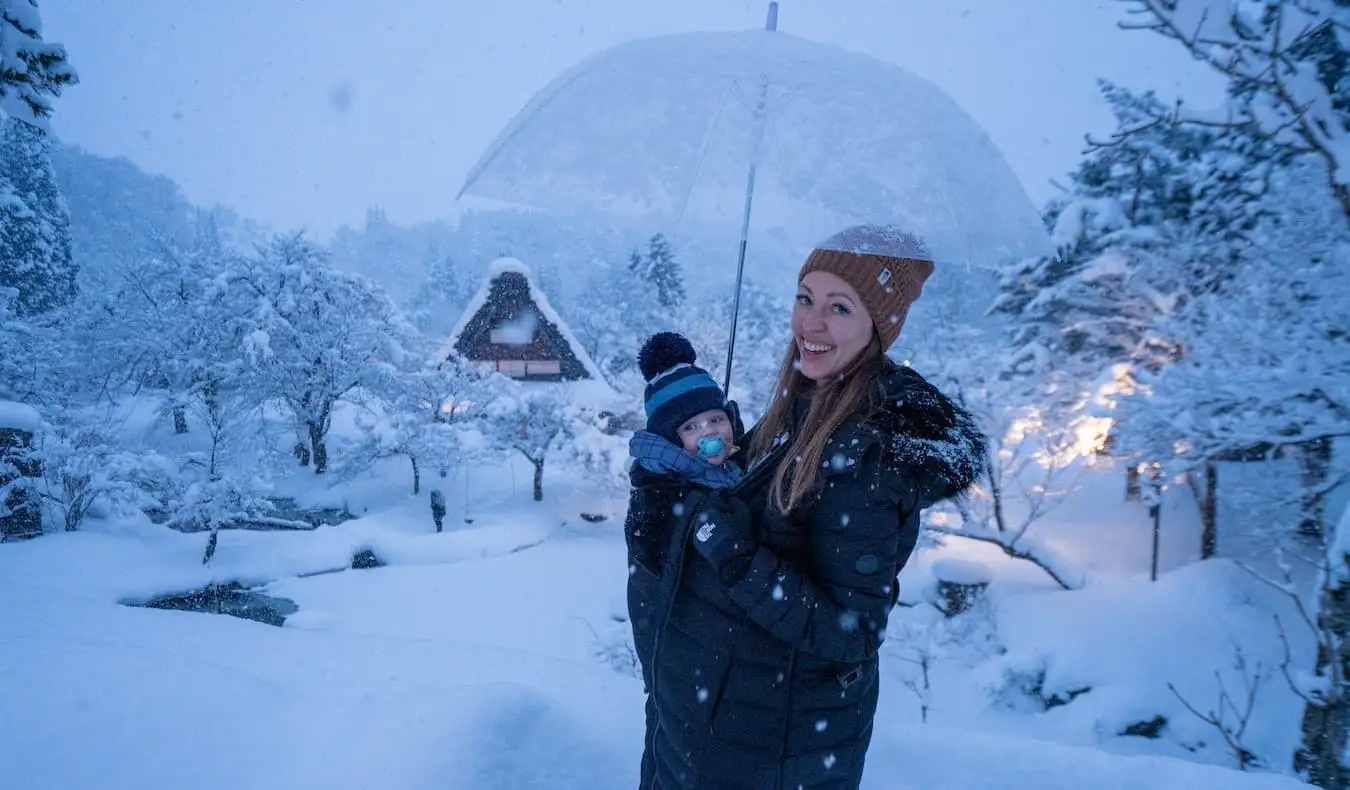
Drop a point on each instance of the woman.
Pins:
(761, 653)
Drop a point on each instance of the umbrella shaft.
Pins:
(745, 218)
(735, 313)
(740, 272)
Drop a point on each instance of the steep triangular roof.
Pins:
(479, 302)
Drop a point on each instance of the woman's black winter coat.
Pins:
(763, 675)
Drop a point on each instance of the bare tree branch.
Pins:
(1310, 699)
(1009, 548)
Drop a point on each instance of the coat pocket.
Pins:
(695, 693)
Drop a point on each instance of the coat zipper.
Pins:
(677, 568)
(787, 715)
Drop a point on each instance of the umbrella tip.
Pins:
(772, 22)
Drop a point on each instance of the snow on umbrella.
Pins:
(686, 129)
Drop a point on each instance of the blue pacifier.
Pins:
(710, 446)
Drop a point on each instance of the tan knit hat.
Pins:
(885, 265)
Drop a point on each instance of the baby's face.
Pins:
(704, 425)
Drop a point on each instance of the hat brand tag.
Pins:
(884, 277)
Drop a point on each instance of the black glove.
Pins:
(722, 529)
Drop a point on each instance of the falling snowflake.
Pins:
(820, 727)
(778, 593)
(849, 621)
(828, 761)
(702, 694)
(839, 461)
(677, 509)
(843, 520)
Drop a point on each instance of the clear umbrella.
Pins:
(696, 128)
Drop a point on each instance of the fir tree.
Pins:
(664, 272)
(35, 244)
(436, 305)
(1126, 253)
(32, 71)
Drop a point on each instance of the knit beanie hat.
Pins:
(885, 265)
(677, 389)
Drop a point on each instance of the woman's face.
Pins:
(829, 324)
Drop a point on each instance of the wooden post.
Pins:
(1209, 538)
(1133, 492)
(1314, 459)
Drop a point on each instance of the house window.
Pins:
(543, 367)
(515, 368)
(518, 331)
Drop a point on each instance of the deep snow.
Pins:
(494, 656)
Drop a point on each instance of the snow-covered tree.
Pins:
(27, 370)
(35, 242)
(82, 467)
(1285, 62)
(1158, 216)
(1266, 361)
(313, 335)
(664, 272)
(1119, 235)
(436, 305)
(528, 420)
(762, 334)
(431, 415)
(603, 322)
(1031, 455)
(166, 322)
(33, 72)
(386, 253)
(1263, 355)
(615, 310)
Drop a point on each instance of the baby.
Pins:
(687, 446)
(689, 426)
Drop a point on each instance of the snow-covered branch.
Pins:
(1271, 59)
(1056, 567)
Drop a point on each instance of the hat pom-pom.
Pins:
(663, 351)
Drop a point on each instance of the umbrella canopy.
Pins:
(662, 130)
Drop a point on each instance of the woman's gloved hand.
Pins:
(722, 531)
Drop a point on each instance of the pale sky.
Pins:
(302, 113)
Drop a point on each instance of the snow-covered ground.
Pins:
(495, 656)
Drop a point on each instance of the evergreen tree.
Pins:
(32, 71)
(1132, 244)
(1285, 64)
(35, 241)
(664, 272)
(436, 305)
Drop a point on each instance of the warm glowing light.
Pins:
(452, 406)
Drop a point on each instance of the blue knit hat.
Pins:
(677, 389)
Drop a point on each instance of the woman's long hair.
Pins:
(833, 401)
